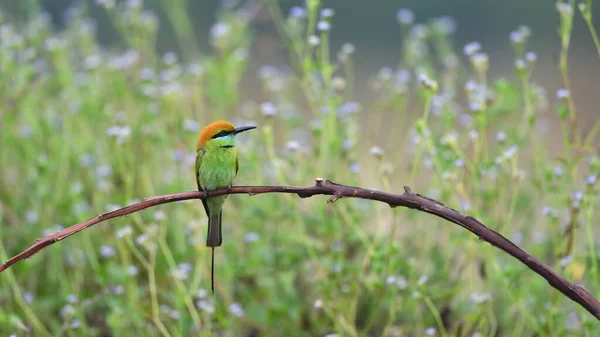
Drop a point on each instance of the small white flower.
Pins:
(268, 109)
(566, 260)
(516, 37)
(501, 137)
(546, 210)
(405, 16)
(25, 131)
(75, 323)
(31, 216)
(348, 108)
(141, 239)
(28, 297)
(181, 272)
(298, 12)
(118, 289)
(251, 237)
(106, 3)
(348, 48)
(132, 270)
(119, 132)
(92, 61)
(401, 283)
(53, 229)
(175, 314)
(107, 251)
(318, 304)
(510, 152)
(293, 145)
(480, 59)
(202, 293)
(67, 311)
(449, 138)
(472, 48)
(557, 171)
(190, 125)
(591, 180)
(205, 306)
(165, 309)
(479, 298)
(219, 31)
(445, 25)
(323, 26)
(314, 40)
(146, 74)
(327, 12)
(72, 298)
(124, 231)
(236, 309)
(132, 4)
(564, 8)
(338, 83)
(159, 216)
(195, 69)
(562, 94)
(376, 151)
(103, 171)
(77, 187)
(169, 58)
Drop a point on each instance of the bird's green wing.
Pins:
(199, 157)
(237, 165)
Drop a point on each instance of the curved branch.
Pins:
(326, 187)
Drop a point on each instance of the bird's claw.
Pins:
(205, 194)
(229, 188)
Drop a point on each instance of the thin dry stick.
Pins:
(326, 187)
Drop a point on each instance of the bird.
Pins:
(216, 167)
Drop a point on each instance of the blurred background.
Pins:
(101, 103)
(372, 28)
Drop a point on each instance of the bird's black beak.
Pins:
(242, 129)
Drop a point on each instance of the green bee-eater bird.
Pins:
(216, 167)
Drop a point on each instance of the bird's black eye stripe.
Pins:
(221, 134)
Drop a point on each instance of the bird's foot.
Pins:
(229, 188)
(205, 194)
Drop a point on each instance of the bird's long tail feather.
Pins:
(214, 238)
(212, 271)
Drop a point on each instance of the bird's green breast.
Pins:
(217, 166)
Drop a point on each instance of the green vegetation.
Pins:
(85, 129)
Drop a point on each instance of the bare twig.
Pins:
(326, 187)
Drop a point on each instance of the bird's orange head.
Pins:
(218, 129)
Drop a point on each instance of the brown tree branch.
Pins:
(326, 187)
